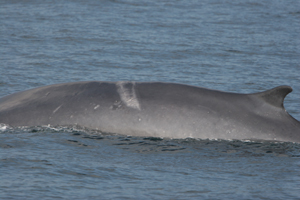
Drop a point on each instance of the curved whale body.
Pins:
(155, 109)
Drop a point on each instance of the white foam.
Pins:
(3, 127)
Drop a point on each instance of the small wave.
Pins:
(158, 144)
(3, 127)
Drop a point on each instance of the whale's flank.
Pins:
(155, 109)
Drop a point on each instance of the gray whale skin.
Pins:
(155, 109)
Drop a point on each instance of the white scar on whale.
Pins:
(54, 111)
(128, 95)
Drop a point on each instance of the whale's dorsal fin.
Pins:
(275, 96)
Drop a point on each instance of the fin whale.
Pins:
(155, 109)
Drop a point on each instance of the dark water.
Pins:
(237, 46)
(69, 164)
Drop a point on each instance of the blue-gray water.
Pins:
(238, 46)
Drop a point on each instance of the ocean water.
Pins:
(237, 46)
